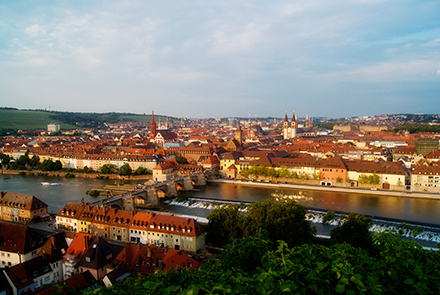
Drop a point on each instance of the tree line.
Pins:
(24, 162)
(270, 172)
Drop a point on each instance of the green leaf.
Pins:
(312, 276)
(193, 291)
(340, 288)
(344, 281)
(356, 281)
(262, 276)
(321, 266)
(149, 285)
(409, 281)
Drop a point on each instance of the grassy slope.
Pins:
(34, 120)
(28, 120)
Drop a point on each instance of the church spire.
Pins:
(153, 131)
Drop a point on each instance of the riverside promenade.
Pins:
(365, 191)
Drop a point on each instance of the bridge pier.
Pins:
(187, 184)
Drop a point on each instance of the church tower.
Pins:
(293, 126)
(153, 131)
(307, 121)
(238, 134)
(285, 127)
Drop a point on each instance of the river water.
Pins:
(56, 192)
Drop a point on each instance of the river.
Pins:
(56, 192)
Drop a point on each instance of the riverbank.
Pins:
(400, 194)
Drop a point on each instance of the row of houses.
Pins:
(330, 170)
(96, 161)
(422, 175)
(162, 230)
(82, 261)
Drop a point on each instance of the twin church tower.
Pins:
(290, 132)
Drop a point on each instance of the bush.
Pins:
(69, 175)
(93, 193)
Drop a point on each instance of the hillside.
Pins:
(27, 120)
(38, 119)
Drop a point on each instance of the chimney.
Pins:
(148, 250)
(3, 194)
(86, 242)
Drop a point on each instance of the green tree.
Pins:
(47, 165)
(88, 170)
(5, 159)
(22, 161)
(125, 170)
(108, 169)
(283, 220)
(283, 172)
(141, 171)
(93, 193)
(35, 161)
(57, 165)
(245, 172)
(246, 253)
(181, 160)
(354, 231)
(225, 224)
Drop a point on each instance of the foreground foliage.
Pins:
(400, 267)
(283, 220)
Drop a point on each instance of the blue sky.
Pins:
(222, 58)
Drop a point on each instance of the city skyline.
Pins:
(208, 59)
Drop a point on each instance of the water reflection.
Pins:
(422, 210)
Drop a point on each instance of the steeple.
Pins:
(238, 134)
(153, 131)
(293, 124)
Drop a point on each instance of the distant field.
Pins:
(28, 120)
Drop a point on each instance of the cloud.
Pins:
(233, 51)
(35, 30)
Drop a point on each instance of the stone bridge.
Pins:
(151, 196)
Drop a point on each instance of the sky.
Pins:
(206, 59)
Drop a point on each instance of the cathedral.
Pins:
(294, 130)
(290, 131)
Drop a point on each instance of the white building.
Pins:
(53, 127)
